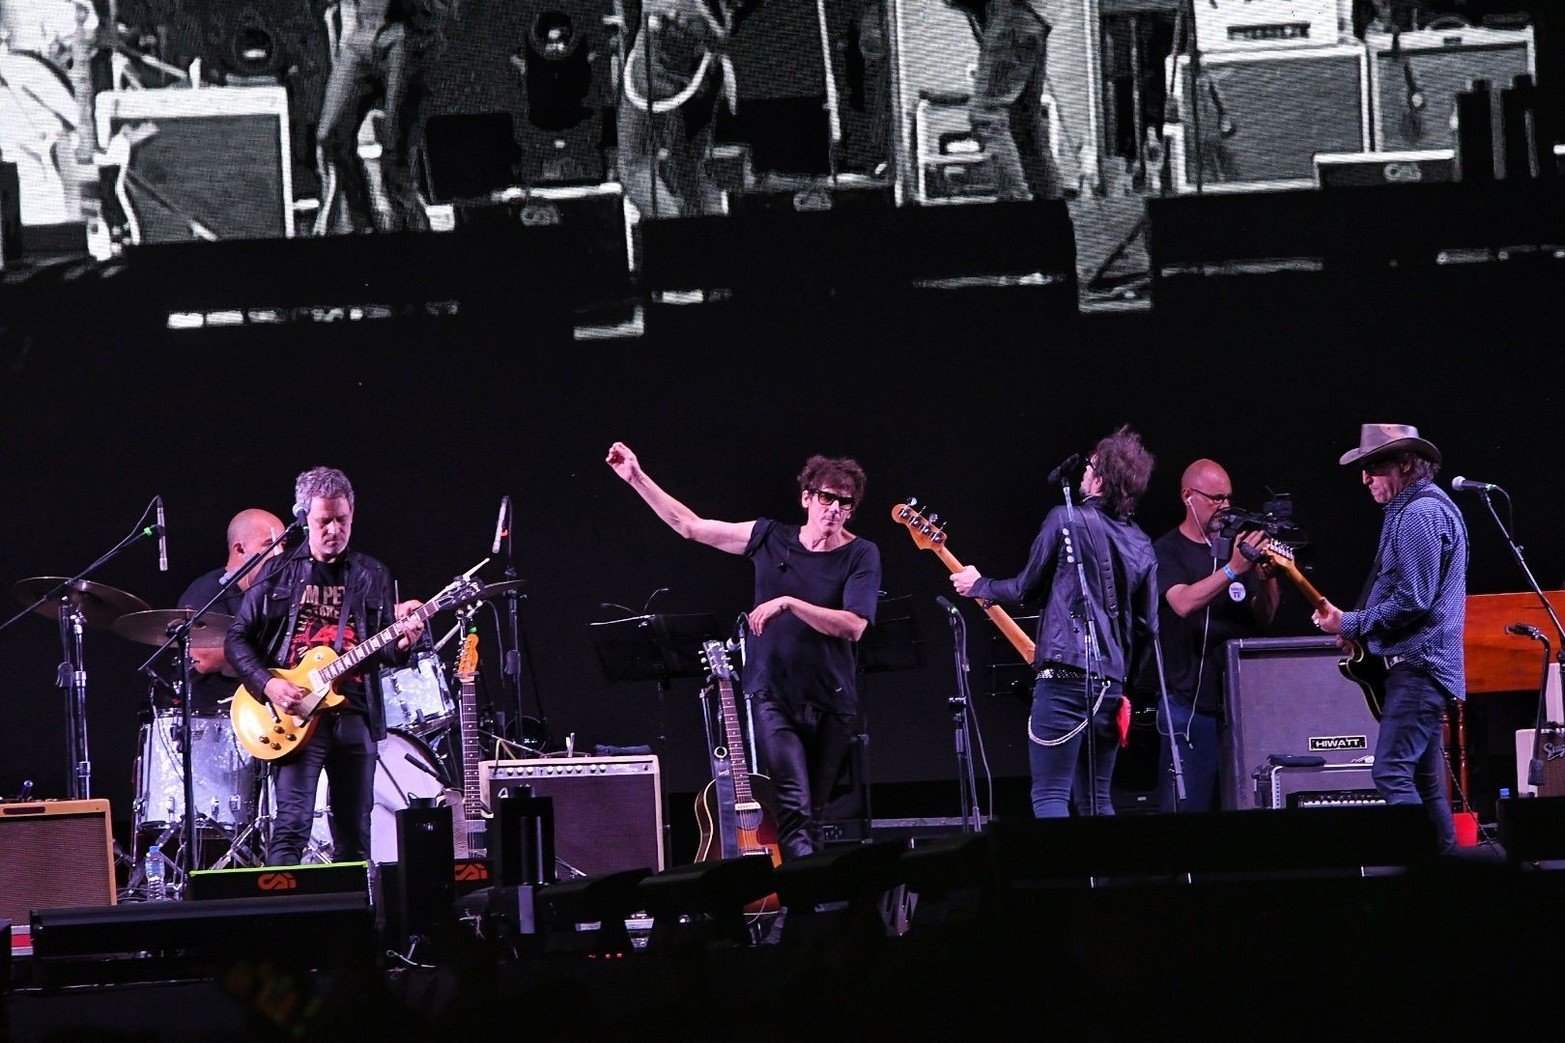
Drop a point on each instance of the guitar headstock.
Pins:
(715, 655)
(927, 532)
(461, 591)
(467, 664)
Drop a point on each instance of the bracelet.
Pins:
(1228, 570)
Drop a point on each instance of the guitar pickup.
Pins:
(747, 805)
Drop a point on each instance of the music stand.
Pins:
(658, 647)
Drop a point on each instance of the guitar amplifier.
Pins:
(1318, 786)
(1254, 133)
(1222, 25)
(1551, 751)
(1285, 696)
(55, 854)
(608, 811)
(1415, 77)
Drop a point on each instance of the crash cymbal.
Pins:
(100, 604)
(494, 590)
(152, 627)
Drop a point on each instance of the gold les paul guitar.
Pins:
(929, 534)
(1357, 665)
(267, 734)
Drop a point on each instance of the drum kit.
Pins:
(227, 788)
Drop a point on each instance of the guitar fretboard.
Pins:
(351, 659)
(467, 711)
(733, 736)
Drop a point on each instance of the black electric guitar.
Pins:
(737, 809)
(1357, 665)
(469, 836)
(929, 534)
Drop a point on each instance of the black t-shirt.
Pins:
(793, 661)
(207, 690)
(318, 619)
(1180, 560)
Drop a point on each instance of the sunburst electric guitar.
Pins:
(929, 534)
(267, 734)
(1357, 665)
(470, 834)
(737, 809)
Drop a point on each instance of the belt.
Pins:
(1060, 672)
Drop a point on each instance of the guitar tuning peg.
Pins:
(934, 519)
(912, 501)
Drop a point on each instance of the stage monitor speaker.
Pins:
(1415, 77)
(1286, 697)
(608, 811)
(55, 854)
(213, 163)
(1257, 131)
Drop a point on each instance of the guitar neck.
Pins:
(472, 804)
(1316, 599)
(733, 738)
(350, 660)
(1002, 619)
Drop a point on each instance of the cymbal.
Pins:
(99, 603)
(152, 627)
(494, 590)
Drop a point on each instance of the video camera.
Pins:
(1275, 518)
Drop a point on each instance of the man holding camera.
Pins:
(1213, 589)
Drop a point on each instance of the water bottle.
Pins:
(156, 886)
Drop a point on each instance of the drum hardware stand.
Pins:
(72, 674)
(511, 658)
(259, 827)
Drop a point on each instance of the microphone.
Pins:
(162, 539)
(1525, 630)
(499, 524)
(1063, 472)
(945, 603)
(1461, 485)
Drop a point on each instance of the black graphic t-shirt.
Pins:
(321, 621)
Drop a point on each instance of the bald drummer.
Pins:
(248, 534)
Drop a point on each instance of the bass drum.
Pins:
(405, 768)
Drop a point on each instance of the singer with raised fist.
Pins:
(322, 594)
(250, 532)
(1411, 616)
(816, 590)
(1205, 602)
(1094, 573)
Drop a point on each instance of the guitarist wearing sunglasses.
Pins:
(1412, 616)
(816, 590)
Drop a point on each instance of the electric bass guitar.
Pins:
(929, 534)
(469, 836)
(737, 809)
(1357, 665)
(268, 735)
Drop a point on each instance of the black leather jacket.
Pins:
(259, 635)
(1121, 571)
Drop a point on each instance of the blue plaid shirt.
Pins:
(1418, 600)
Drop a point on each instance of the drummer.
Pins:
(248, 534)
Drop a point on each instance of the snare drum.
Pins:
(224, 786)
(405, 768)
(417, 701)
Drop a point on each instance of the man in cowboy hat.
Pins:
(1412, 615)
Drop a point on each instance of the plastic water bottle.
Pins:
(156, 885)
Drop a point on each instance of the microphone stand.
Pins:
(179, 634)
(1532, 581)
(1091, 648)
(511, 668)
(72, 673)
(967, 784)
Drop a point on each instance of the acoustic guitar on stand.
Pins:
(1357, 665)
(737, 810)
(268, 735)
(929, 534)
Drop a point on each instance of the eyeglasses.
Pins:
(1221, 499)
(827, 499)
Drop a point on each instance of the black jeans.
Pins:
(802, 751)
(342, 747)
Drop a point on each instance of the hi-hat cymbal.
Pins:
(99, 603)
(153, 626)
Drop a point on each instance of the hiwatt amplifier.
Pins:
(55, 854)
(1256, 119)
(1316, 786)
(608, 811)
(1415, 78)
(1285, 697)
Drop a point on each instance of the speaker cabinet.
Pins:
(1416, 76)
(1257, 119)
(608, 811)
(1285, 696)
(55, 854)
(213, 163)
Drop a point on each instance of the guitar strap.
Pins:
(1446, 556)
